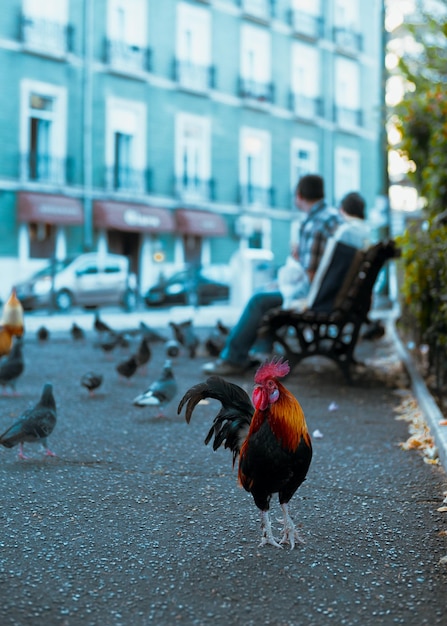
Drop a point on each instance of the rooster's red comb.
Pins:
(276, 368)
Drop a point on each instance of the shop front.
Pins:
(133, 230)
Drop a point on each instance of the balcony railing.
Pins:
(306, 107)
(258, 9)
(193, 76)
(255, 90)
(347, 39)
(128, 179)
(127, 57)
(348, 117)
(256, 195)
(46, 36)
(306, 24)
(194, 188)
(46, 168)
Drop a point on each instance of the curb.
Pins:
(424, 398)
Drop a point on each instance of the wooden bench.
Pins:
(332, 331)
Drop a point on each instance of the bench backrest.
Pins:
(336, 268)
(355, 294)
(356, 271)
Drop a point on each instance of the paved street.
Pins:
(136, 522)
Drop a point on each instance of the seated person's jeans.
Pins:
(243, 336)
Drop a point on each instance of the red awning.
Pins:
(201, 223)
(132, 217)
(48, 209)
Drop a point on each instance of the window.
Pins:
(44, 25)
(257, 8)
(347, 92)
(255, 167)
(43, 132)
(193, 47)
(305, 80)
(346, 31)
(346, 14)
(255, 63)
(127, 36)
(346, 172)
(304, 160)
(306, 17)
(126, 145)
(192, 157)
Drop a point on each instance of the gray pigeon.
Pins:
(161, 392)
(91, 381)
(126, 369)
(43, 334)
(172, 348)
(143, 355)
(150, 334)
(77, 332)
(34, 425)
(12, 367)
(185, 335)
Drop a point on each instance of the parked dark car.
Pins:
(185, 287)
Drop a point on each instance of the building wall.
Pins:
(164, 99)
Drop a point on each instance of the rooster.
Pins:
(12, 323)
(271, 441)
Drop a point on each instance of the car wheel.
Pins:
(63, 300)
(130, 300)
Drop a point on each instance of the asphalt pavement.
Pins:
(137, 522)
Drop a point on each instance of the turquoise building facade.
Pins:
(174, 132)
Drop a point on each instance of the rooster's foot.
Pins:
(290, 533)
(267, 534)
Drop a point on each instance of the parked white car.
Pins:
(89, 280)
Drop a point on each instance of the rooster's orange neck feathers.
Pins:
(286, 420)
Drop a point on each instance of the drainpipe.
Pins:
(88, 125)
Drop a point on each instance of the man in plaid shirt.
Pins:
(320, 223)
(318, 226)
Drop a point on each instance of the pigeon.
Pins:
(161, 392)
(77, 332)
(108, 343)
(215, 341)
(127, 368)
(12, 367)
(123, 340)
(34, 425)
(91, 381)
(143, 355)
(43, 334)
(172, 348)
(100, 326)
(184, 333)
(224, 330)
(150, 334)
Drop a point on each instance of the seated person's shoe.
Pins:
(374, 330)
(223, 368)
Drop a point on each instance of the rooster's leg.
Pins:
(290, 533)
(267, 535)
